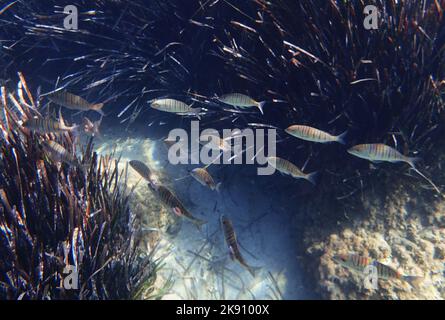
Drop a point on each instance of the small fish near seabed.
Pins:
(73, 102)
(359, 264)
(203, 177)
(144, 171)
(241, 101)
(174, 204)
(314, 135)
(58, 153)
(175, 106)
(47, 125)
(287, 167)
(232, 244)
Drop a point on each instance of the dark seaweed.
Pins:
(313, 55)
(383, 86)
(54, 215)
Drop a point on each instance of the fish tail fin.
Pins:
(312, 177)
(98, 108)
(218, 186)
(413, 160)
(341, 138)
(261, 106)
(254, 271)
(74, 128)
(61, 120)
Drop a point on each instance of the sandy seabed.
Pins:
(196, 262)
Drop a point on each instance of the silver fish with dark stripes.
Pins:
(74, 102)
(47, 125)
(359, 264)
(58, 153)
(232, 244)
(143, 170)
(314, 135)
(172, 202)
(203, 177)
(287, 167)
(241, 101)
(175, 106)
(377, 152)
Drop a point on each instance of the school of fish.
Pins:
(374, 152)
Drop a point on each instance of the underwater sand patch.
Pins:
(195, 263)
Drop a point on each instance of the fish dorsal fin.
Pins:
(61, 120)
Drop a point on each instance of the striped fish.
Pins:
(377, 152)
(232, 244)
(173, 203)
(287, 167)
(47, 125)
(358, 263)
(58, 153)
(73, 102)
(241, 100)
(315, 135)
(203, 176)
(175, 106)
(143, 170)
